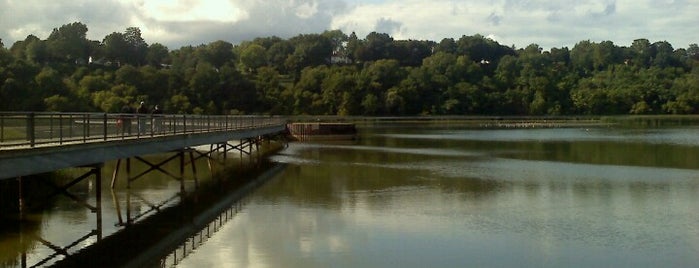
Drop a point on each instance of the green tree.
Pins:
(507, 72)
(395, 104)
(338, 39)
(115, 47)
(353, 46)
(68, 43)
(31, 49)
(604, 55)
(693, 52)
(157, 54)
(309, 50)
(686, 90)
(582, 57)
(155, 83)
(412, 52)
(277, 55)
(463, 98)
(58, 103)
(50, 82)
(36, 50)
(376, 46)
(348, 105)
(236, 92)
(266, 42)
(384, 74)
(219, 53)
(269, 91)
(20, 86)
(416, 92)
(481, 49)
(93, 83)
(108, 101)
(179, 104)
(128, 75)
(447, 45)
(641, 53)
(338, 81)
(664, 56)
(370, 104)
(5, 56)
(204, 84)
(184, 59)
(253, 57)
(137, 46)
(308, 91)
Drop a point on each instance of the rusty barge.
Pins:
(320, 131)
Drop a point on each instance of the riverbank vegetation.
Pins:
(333, 73)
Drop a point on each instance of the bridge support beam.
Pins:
(95, 171)
(180, 156)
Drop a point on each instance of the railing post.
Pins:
(105, 126)
(138, 126)
(170, 125)
(60, 128)
(184, 123)
(174, 124)
(30, 129)
(201, 123)
(70, 126)
(2, 128)
(51, 127)
(86, 127)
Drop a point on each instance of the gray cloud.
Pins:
(518, 22)
(264, 18)
(609, 9)
(22, 18)
(494, 19)
(389, 26)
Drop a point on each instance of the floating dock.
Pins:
(322, 131)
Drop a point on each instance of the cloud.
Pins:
(283, 18)
(177, 23)
(494, 19)
(173, 23)
(388, 26)
(22, 18)
(191, 10)
(523, 22)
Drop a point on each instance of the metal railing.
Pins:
(34, 129)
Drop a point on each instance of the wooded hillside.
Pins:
(333, 73)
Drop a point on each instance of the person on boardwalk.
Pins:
(157, 119)
(124, 120)
(142, 111)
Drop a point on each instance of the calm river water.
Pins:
(439, 195)
(454, 196)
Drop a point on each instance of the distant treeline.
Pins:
(333, 73)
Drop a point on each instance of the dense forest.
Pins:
(333, 73)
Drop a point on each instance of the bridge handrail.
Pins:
(34, 129)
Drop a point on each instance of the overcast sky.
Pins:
(549, 23)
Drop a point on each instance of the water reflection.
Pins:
(62, 229)
(411, 197)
